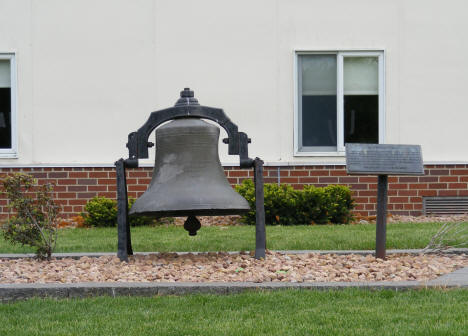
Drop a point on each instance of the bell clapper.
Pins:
(192, 225)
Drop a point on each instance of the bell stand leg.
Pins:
(260, 232)
(124, 244)
(381, 226)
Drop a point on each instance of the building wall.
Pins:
(90, 72)
(74, 186)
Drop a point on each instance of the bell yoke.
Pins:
(188, 179)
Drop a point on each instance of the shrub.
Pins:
(280, 203)
(102, 212)
(339, 203)
(36, 220)
(312, 205)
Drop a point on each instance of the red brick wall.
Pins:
(75, 186)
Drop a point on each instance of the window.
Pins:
(339, 100)
(7, 105)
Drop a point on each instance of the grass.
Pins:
(291, 312)
(235, 238)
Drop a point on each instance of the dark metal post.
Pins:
(381, 230)
(260, 232)
(124, 244)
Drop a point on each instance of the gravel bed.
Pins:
(236, 220)
(224, 267)
(429, 219)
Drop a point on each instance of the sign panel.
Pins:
(378, 159)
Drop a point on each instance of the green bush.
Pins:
(287, 206)
(339, 203)
(313, 205)
(36, 219)
(280, 203)
(102, 211)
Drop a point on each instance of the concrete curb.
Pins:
(457, 278)
(76, 255)
(14, 292)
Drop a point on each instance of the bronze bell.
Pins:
(188, 179)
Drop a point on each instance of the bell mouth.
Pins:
(186, 213)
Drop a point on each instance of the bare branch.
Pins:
(450, 234)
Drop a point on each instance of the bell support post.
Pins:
(187, 106)
(260, 233)
(124, 244)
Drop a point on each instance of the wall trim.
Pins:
(224, 164)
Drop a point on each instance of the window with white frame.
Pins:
(7, 105)
(339, 100)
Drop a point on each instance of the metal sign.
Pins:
(383, 160)
(376, 159)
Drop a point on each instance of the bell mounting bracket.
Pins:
(186, 107)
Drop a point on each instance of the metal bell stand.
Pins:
(186, 106)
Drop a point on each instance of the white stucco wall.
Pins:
(91, 71)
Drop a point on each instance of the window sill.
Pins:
(8, 155)
(318, 154)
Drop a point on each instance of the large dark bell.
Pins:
(188, 179)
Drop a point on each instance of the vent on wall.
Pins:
(445, 205)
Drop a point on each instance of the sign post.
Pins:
(383, 160)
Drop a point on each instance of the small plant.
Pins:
(313, 206)
(287, 206)
(36, 220)
(338, 203)
(280, 203)
(450, 235)
(102, 212)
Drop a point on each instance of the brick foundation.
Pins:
(75, 186)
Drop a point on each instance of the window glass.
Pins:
(318, 102)
(339, 100)
(361, 99)
(5, 104)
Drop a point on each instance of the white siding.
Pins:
(91, 71)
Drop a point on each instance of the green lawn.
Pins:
(291, 312)
(235, 238)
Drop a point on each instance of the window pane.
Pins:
(361, 99)
(5, 104)
(318, 102)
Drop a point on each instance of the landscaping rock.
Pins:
(223, 267)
